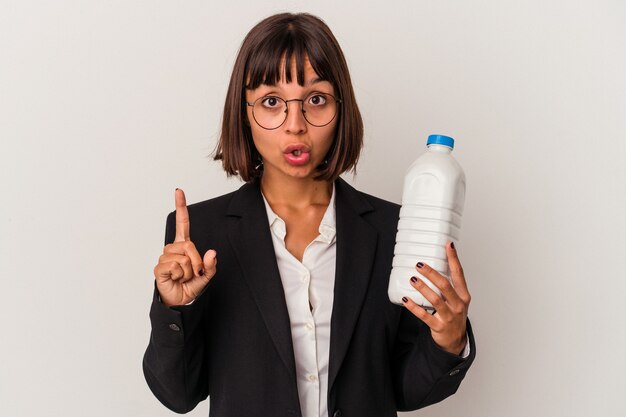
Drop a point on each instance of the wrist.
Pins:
(456, 347)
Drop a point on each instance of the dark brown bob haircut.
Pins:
(265, 54)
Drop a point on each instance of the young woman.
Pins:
(295, 319)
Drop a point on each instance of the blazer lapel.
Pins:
(249, 235)
(356, 249)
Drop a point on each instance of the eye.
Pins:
(317, 99)
(270, 102)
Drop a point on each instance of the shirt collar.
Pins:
(328, 225)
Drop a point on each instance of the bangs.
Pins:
(273, 59)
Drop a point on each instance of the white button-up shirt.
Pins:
(309, 288)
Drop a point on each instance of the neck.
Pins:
(296, 192)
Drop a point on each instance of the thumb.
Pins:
(210, 263)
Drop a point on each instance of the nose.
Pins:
(295, 122)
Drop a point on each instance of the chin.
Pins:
(306, 171)
(303, 172)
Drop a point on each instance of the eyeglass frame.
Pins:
(301, 100)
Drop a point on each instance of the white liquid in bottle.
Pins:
(432, 208)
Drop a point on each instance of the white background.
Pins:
(107, 106)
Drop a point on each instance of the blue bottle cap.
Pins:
(440, 140)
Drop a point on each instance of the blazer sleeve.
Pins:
(175, 362)
(424, 373)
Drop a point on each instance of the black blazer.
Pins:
(234, 342)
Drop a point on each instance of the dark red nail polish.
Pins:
(405, 299)
(413, 279)
(201, 272)
(419, 264)
(452, 245)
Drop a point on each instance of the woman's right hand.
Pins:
(181, 273)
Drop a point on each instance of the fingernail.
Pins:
(413, 279)
(201, 272)
(419, 264)
(452, 245)
(406, 300)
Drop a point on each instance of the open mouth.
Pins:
(296, 149)
(297, 154)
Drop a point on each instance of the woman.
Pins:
(295, 320)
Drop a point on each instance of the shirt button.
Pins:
(304, 277)
(174, 327)
(456, 371)
(309, 326)
(312, 378)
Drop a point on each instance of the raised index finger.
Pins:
(182, 217)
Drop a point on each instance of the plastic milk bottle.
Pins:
(432, 207)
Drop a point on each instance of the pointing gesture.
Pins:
(182, 216)
(181, 274)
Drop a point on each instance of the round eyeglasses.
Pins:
(318, 109)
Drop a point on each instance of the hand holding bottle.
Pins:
(448, 324)
(181, 274)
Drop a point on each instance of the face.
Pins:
(296, 148)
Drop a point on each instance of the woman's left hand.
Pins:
(448, 324)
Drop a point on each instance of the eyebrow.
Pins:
(309, 84)
(315, 81)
